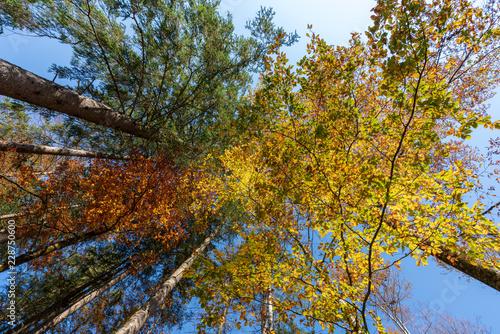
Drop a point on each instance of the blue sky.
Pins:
(334, 20)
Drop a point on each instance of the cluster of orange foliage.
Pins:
(126, 201)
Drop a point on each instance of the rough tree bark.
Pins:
(488, 276)
(135, 323)
(49, 150)
(23, 85)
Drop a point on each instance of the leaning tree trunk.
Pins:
(11, 215)
(68, 299)
(23, 85)
(488, 276)
(76, 306)
(49, 150)
(396, 320)
(26, 257)
(135, 323)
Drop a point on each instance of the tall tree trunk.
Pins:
(49, 150)
(76, 306)
(11, 215)
(267, 323)
(270, 311)
(23, 85)
(67, 301)
(488, 276)
(397, 321)
(222, 322)
(26, 257)
(135, 323)
(263, 315)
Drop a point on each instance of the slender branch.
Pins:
(490, 208)
(88, 14)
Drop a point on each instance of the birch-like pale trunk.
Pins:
(135, 323)
(50, 150)
(267, 325)
(19, 84)
(270, 311)
(398, 322)
(222, 322)
(11, 215)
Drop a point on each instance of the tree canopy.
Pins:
(289, 204)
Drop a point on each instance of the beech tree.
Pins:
(357, 157)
